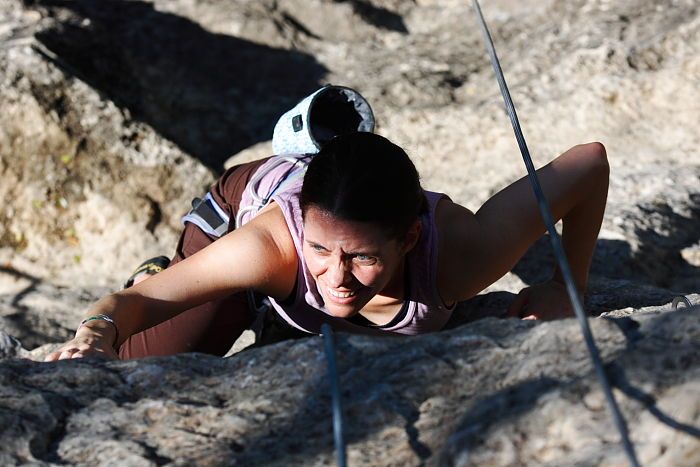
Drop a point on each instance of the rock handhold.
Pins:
(492, 392)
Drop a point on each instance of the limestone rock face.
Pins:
(106, 109)
(116, 113)
(492, 392)
(37, 312)
(92, 189)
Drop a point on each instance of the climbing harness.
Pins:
(208, 216)
(556, 243)
(338, 436)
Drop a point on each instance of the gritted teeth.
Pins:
(340, 294)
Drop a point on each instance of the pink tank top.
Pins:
(423, 310)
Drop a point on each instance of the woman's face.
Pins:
(350, 261)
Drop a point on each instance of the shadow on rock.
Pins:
(384, 382)
(661, 354)
(33, 281)
(18, 321)
(497, 409)
(489, 305)
(378, 16)
(619, 380)
(211, 94)
(619, 278)
(374, 399)
(612, 259)
(659, 255)
(657, 261)
(37, 312)
(642, 336)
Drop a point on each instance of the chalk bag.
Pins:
(331, 111)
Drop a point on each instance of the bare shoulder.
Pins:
(459, 239)
(258, 256)
(270, 234)
(454, 223)
(272, 226)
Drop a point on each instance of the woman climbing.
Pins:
(355, 242)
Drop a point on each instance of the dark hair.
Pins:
(366, 178)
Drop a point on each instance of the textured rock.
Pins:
(489, 393)
(37, 312)
(10, 347)
(89, 181)
(102, 112)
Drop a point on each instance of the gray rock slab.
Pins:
(496, 392)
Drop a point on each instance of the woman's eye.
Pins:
(365, 260)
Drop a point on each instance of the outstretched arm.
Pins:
(477, 249)
(250, 257)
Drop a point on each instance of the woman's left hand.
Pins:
(545, 301)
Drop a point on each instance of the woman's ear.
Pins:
(412, 236)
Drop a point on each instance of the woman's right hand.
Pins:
(94, 340)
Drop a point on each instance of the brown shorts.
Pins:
(214, 326)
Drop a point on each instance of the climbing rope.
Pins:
(338, 437)
(556, 243)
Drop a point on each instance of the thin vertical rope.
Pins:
(556, 244)
(335, 395)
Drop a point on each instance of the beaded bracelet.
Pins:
(101, 318)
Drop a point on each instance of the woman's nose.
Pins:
(338, 273)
